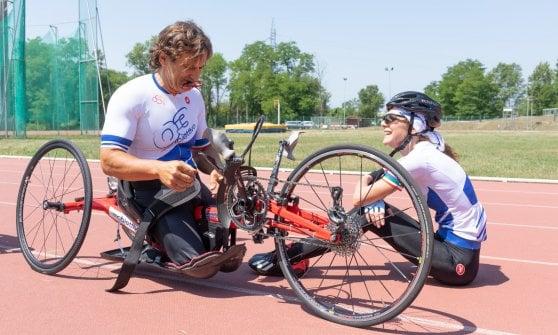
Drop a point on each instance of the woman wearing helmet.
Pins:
(409, 128)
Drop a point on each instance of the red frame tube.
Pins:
(296, 219)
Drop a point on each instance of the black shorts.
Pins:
(451, 264)
(177, 231)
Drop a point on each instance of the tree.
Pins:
(351, 107)
(138, 57)
(370, 101)
(263, 74)
(509, 82)
(433, 90)
(465, 91)
(110, 81)
(541, 88)
(214, 81)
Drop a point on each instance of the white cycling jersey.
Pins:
(449, 191)
(146, 121)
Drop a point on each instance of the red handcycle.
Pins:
(357, 279)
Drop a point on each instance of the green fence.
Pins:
(50, 82)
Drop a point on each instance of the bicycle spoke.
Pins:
(50, 239)
(361, 281)
(317, 196)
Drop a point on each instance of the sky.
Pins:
(353, 42)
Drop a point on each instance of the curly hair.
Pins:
(181, 37)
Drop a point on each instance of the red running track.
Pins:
(515, 291)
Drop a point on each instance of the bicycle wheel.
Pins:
(363, 280)
(49, 237)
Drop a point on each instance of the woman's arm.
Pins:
(364, 193)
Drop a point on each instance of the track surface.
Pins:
(515, 291)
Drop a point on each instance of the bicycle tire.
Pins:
(32, 217)
(362, 313)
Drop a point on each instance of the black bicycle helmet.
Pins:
(420, 103)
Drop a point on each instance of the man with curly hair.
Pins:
(153, 125)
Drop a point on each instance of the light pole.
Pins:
(388, 70)
(344, 98)
(277, 104)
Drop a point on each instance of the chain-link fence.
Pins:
(50, 82)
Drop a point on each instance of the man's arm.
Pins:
(176, 175)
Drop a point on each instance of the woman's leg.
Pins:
(451, 264)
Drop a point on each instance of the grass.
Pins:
(511, 154)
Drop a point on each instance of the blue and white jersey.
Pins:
(146, 121)
(449, 192)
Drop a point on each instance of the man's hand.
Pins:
(176, 175)
(215, 179)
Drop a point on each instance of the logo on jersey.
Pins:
(187, 99)
(177, 130)
(158, 99)
(460, 269)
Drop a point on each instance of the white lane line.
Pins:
(516, 260)
(228, 287)
(521, 225)
(480, 190)
(516, 205)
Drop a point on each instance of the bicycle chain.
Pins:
(295, 239)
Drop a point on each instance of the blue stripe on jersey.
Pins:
(436, 203)
(482, 219)
(180, 152)
(201, 143)
(450, 237)
(157, 84)
(113, 139)
(114, 144)
(484, 235)
(470, 191)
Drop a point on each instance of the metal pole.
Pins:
(4, 79)
(344, 98)
(389, 69)
(95, 40)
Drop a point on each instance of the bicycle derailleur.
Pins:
(345, 229)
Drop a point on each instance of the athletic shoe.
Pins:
(266, 264)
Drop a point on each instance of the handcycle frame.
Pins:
(283, 215)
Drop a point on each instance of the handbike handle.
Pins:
(257, 129)
(221, 143)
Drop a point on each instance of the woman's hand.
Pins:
(215, 179)
(375, 213)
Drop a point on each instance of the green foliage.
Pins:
(138, 57)
(371, 99)
(262, 75)
(214, 84)
(110, 81)
(465, 91)
(509, 81)
(542, 88)
(433, 90)
(52, 82)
